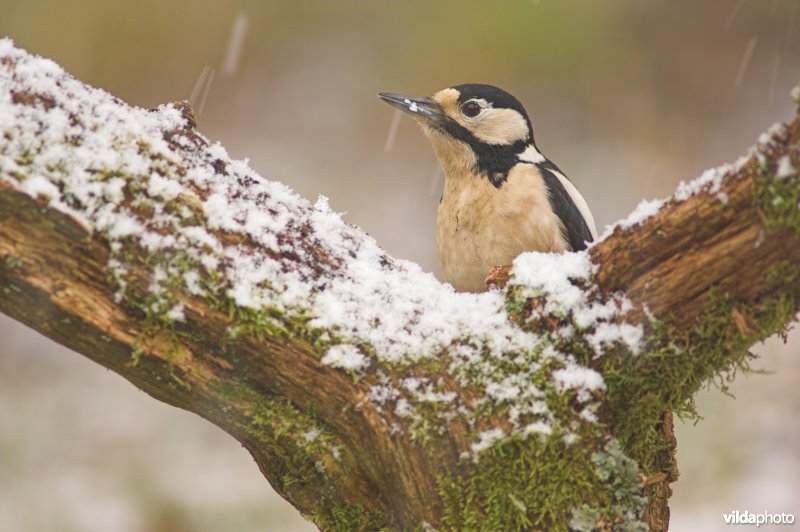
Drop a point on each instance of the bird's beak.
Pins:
(415, 106)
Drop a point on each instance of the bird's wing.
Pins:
(569, 206)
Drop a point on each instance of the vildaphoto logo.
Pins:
(764, 518)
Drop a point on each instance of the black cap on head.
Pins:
(497, 96)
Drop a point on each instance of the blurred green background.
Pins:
(628, 97)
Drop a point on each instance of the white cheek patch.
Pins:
(498, 126)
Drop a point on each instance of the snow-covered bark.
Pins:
(369, 393)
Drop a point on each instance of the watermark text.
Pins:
(763, 518)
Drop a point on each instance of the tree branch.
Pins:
(369, 394)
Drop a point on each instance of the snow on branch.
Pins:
(133, 176)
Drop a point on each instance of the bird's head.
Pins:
(473, 125)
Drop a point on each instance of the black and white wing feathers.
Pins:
(570, 207)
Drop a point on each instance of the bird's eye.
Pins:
(471, 109)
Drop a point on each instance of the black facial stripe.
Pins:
(492, 160)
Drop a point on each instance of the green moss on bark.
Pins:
(276, 422)
(541, 483)
(346, 517)
(674, 366)
(640, 391)
(778, 199)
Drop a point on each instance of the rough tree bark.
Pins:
(117, 241)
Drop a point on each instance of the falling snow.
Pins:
(201, 89)
(745, 63)
(734, 13)
(233, 52)
(393, 127)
